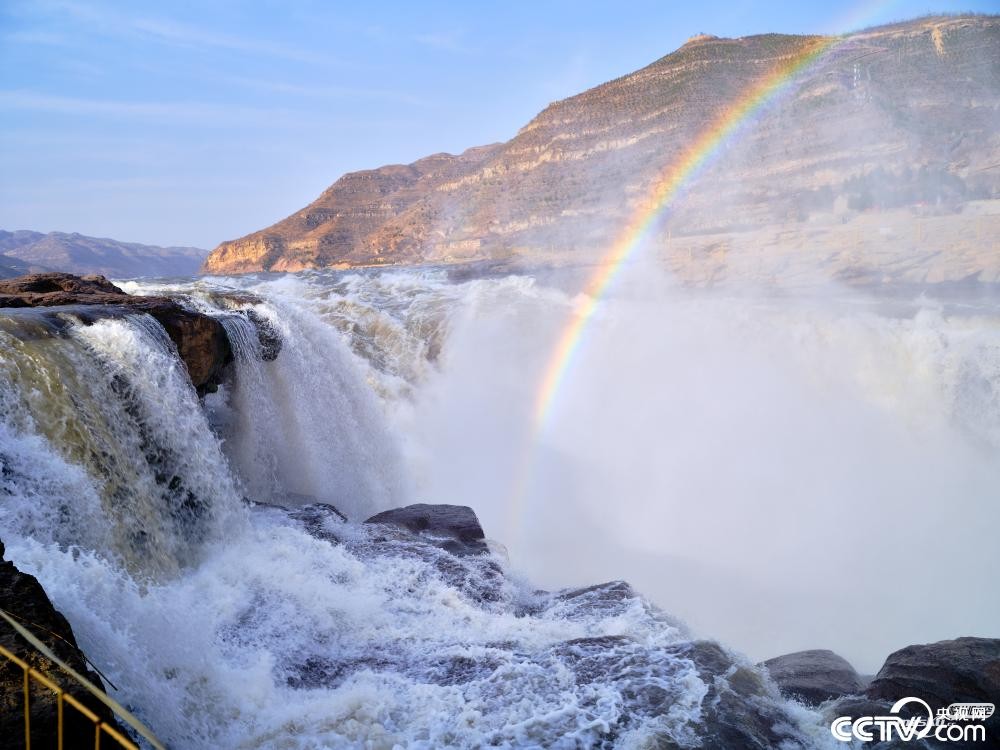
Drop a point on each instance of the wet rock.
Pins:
(814, 676)
(318, 672)
(737, 711)
(200, 339)
(963, 670)
(447, 538)
(478, 576)
(652, 683)
(454, 528)
(320, 520)
(267, 336)
(458, 670)
(201, 342)
(24, 598)
(611, 598)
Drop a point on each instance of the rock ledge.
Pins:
(200, 339)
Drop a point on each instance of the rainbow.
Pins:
(665, 189)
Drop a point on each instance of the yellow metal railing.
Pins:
(64, 698)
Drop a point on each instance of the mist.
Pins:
(782, 424)
(781, 472)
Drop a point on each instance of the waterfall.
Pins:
(306, 427)
(149, 514)
(113, 401)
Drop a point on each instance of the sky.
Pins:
(190, 123)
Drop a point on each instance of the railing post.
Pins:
(27, 711)
(62, 697)
(59, 718)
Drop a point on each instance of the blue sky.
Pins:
(195, 122)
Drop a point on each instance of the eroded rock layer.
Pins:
(897, 123)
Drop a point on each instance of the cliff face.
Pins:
(900, 118)
(350, 222)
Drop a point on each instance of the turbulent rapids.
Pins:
(193, 545)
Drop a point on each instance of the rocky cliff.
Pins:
(866, 160)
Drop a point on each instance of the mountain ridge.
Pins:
(907, 111)
(25, 251)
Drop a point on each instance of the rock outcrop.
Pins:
(454, 528)
(890, 129)
(739, 712)
(24, 599)
(201, 340)
(964, 670)
(739, 709)
(814, 676)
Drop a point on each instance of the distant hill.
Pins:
(24, 251)
(896, 127)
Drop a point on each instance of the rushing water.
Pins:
(782, 473)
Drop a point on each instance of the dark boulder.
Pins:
(447, 537)
(267, 335)
(200, 339)
(814, 676)
(965, 670)
(454, 528)
(25, 600)
(242, 303)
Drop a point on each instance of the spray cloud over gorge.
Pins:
(739, 458)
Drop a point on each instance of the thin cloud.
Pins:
(445, 41)
(175, 33)
(182, 34)
(320, 92)
(76, 185)
(32, 38)
(201, 112)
